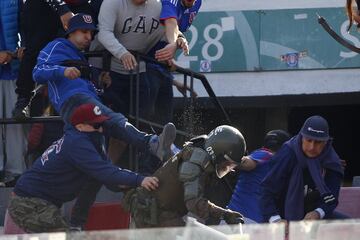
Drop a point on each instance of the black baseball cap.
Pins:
(316, 128)
(275, 138)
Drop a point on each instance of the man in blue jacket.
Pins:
(70, 86)
(177, 16)
(64, 169)
(304, 181)
(253, 169)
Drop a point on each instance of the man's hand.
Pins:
(104, 79)
(313, 215)
(65, 19)
(182, 43)
(129, 61)
(150, 183)
(72, 73)
(20, 53)
(232, 217)
(167, 53)
(5, 57)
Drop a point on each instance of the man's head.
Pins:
(188, 3)
(275, 138)
(315, 134)
(226, 147)
(80, 31)
(88, 118)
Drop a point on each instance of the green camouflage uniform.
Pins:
(181, 186)
(35, 215)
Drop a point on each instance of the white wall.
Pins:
(280, 82)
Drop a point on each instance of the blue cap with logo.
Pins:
(80, 21)
(315, 128)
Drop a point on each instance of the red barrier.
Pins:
(349, 201)
(106, 216)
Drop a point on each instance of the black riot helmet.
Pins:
(275, 138)
(226, 146)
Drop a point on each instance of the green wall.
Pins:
(268, 40)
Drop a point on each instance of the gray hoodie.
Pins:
(125, 27)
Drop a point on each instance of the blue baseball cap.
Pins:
(316, 128)
(80, 21)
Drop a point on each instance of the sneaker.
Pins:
(162, 147)
(21, 110)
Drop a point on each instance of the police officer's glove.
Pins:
(212, 221)
(232, 217)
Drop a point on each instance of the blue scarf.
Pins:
(328, 159)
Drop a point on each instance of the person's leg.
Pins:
(15, 134)
(118, 127)
(116, 150)
(164, 101)
(35, 215)
(161, 94)
(2, 135)
(119, 93)
(40, 26)
(84, 201)
(154, 80)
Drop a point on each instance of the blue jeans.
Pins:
(117, 126)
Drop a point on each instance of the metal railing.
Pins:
(134, 106)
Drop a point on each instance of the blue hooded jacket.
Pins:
(9, 14)
(49, 70)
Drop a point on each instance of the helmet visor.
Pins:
(225, 166)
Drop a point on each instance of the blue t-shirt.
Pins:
(245, 198)
(175, 9)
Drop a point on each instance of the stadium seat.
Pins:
(106, 216)
(349, 201)
(10, 227)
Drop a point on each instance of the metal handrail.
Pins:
(199, 76)
(106, 66)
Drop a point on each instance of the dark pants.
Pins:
(161, 95)
(40, 25)
(84, 201)
(36, 215)
(118, 95)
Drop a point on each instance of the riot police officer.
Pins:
(183, 178)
